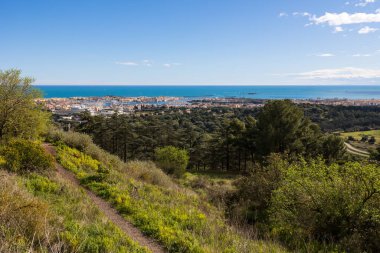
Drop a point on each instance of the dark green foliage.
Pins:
(375, 154)
(23, 156)
(252, 200)
(344, 118)
(172, 160)
(282, 127)
(312, 205)
(216, 139)
(329, 204)
(332, 147)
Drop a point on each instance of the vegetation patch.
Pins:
(181, 222)
(25, 156)
(80, 227)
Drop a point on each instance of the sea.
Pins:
(258, 92)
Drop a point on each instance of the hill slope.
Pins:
(177, 218)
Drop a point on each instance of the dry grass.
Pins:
(24, 220)
(148, 172)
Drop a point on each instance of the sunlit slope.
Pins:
(177, 218)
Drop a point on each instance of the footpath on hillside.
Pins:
(131, 231)
(355, 151)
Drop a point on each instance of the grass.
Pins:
(212, 187)
(179, 219)
(54, 216)
(358, 135)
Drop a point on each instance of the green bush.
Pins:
(22, 155)
(148, 172)
(329, 204)
(37, 183)
(253, 199)
(172, 160)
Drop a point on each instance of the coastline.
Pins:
(353, 92)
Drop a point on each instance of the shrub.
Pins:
(252, 200)
(148, 172)
(20, 116)
(73, 139)
(329, 204)
(37, 183)
(85, 144)
(22, 155)
(172, 160)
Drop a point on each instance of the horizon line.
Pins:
(197, 85)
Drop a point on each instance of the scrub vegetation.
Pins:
(268, 180)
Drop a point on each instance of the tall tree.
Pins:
(282, 127)
(20, 116)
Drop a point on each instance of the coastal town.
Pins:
(109, 105)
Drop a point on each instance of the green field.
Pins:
(358, 135)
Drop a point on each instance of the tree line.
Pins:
(217, 139)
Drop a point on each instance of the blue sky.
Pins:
(242, 42)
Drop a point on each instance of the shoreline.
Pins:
(109, 105)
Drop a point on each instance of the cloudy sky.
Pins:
(236, 42)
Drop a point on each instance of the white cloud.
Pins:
(361, 55)
(283, 14)
(302, 14)
(364, 3)
(344, 18)
(340, 73)
(145, 63)
(367, 29)
(325, 55)
(169, 65)
(338, 29)
(128, 63)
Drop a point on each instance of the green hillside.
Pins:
(44, 213)
(271, 182)
(176, 217)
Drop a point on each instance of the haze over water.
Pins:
(260, 92)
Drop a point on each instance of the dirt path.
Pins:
(131, 231)
(351, 149)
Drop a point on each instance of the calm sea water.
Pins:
(264, 92)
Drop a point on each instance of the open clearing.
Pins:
(358, 135)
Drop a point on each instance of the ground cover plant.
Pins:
(43, 213)
(180, 220)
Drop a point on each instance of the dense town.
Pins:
(109, 105)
